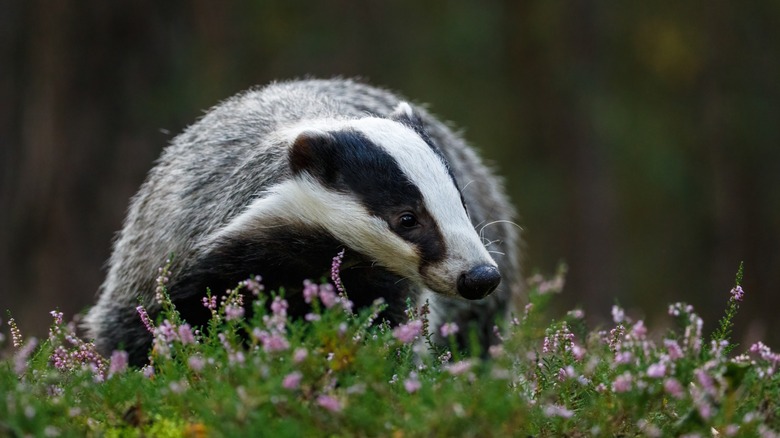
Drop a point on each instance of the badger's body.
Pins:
(275, 181)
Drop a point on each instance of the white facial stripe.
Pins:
(430, 175)
(416, 159)
(306, 202)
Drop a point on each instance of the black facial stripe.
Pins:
(376, 178)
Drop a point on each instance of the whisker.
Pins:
(401, 279)
(479, 223)
(490, 242)
(501, 221)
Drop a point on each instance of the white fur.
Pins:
(404, 108)
(304, 201)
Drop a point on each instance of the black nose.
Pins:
(478, 282)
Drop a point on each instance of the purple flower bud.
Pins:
(310, 290)
(458, 368)
(299, 355)
(656, 370)
(279, 307)
(737, 293)
(622, 382)
(673, 387)
(329, 403)
(292, 380)
(412, 384)
(185, 334)
(328, 296)
(407, 333)
(118, 362)
(145, 318)
(449, 329)
(196, 363)
(557, 411)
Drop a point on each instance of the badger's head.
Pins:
(380, 186)
(384, 190)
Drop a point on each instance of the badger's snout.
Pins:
(478, 282)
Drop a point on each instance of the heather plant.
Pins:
(341, 371)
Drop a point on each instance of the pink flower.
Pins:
(279, 307)
(299, 355)
(561, 338)
(57, 317)
(557, 411)
(196, 363)
(407, 333)
(412, 384)
(310, 290)
(656, 370)
(145, 318)
(292, 380)
(334, 271)
(254, 285)
(704, 408)
(168, 331)
(23, 354)
(458, 368)
(624, 357)
(496, 351)
(276, 342)
(210, 303)
(639, 331)
(328, 296)
(272, 342)
(675, 352)
(618, 315)
(148, 371)
(233, 312)
(185, 334)
(329, 403)
(705, 380)
(236, 357)
(565, 373)
(737, 293)
(448, 329)
(622, 383)
(578, 352)
(118, 362)
(673, 387)
(178, 387)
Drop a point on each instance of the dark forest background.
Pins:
(640, 141)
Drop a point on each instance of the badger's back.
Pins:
(218, 166)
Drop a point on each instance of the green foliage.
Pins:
(726, 324)
(341, 373)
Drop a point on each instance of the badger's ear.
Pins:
(404, 113)
(313, 152)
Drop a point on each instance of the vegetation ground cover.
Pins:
(343, 372)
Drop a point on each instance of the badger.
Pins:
(277, 180)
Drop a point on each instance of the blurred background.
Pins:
(639, 141)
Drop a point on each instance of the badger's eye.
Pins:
(408, 220)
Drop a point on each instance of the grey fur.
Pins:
(216, 167)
